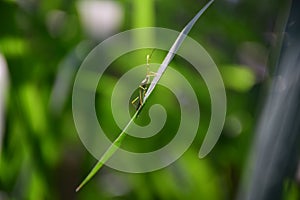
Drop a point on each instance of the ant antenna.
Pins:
(148, 59)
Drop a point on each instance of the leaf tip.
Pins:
(78, 188)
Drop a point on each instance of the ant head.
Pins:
(148, 57)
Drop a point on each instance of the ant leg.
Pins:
(141, 97)
(141, 87)
(134, 100)
(152, 73)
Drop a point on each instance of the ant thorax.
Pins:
(145, 81)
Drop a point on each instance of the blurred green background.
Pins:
(42, 44)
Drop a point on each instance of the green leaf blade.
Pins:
(117, 143)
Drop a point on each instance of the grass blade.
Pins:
(108, 153)
(117, 143)
(174, 49)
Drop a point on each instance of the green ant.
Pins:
(143, 87)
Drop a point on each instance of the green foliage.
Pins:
(238, 78)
